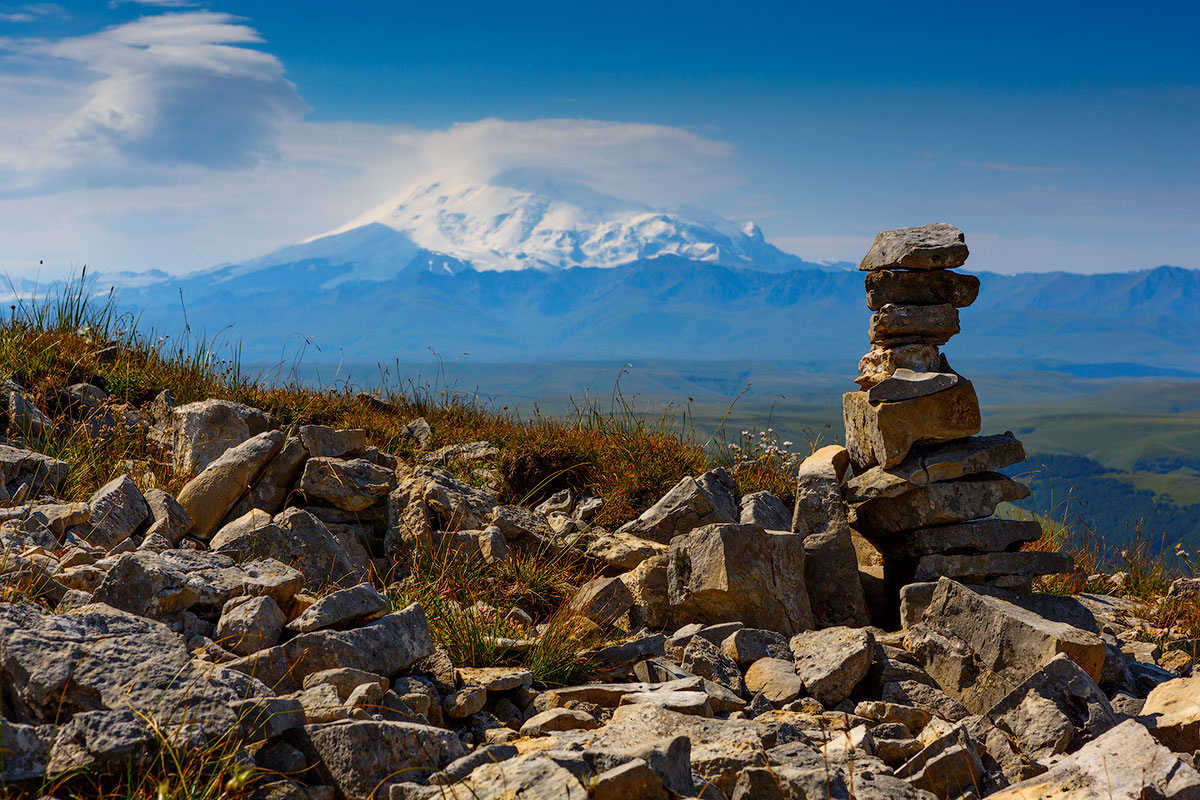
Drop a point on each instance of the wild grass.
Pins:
(166, 770)
(481, 613)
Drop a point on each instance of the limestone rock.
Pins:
(117, 510)
(520, 524)
(883, 433)
(202, 431)
(692, 503)
(620, 550)
(210, 494)
(692, 703)
(1172, 713)
(979, 536)
(938, 503)
(926, 464)
(384, 647)
(557, 719)
(647, 583)
(249, 624)
(720, 749)
(168, 519)
(354, 485)
(1123, 764)
(931, 288)
(831, 662)
(979, 648)
(776, 679)
(925, 697)
(913, 325)
(984, 567)
(148, 584)
(322, 441)
(246, 535)
(435, 500)
(831, 577)
(419, 432)
(342, 609)
(766, 510)
(1056, 710)
(27, 473)
(271, 489)
(741, 573)
(463, 767)
(101, 742)
(747, 645)
(97, 658)
(602, 600)
(701, 657)
(530, 777)
(294, 537)
(23, 417)
(464, 702)
(904, 384)
(631, 779)
(496, 679)
(947, 766)
(936, 246)
(881, 363)
(462, 453)
(24, 751)
(892, 713)
(363, 757)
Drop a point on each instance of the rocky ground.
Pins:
(253, 619)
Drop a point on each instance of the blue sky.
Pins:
(177, 135)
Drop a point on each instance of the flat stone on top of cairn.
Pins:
(936, 246)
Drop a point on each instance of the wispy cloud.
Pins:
(157, 3)
(31, 12)
(655, 163)
(170, 89)
(1000, 166)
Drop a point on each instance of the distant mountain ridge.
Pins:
(524, 268)
(674, 308)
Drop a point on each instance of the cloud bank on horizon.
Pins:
(175, 140)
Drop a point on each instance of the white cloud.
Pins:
(31, 12)
(179, 89)
(157, 3)
(653, 163)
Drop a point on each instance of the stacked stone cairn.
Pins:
(925, 484)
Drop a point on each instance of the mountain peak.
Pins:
(526, 219)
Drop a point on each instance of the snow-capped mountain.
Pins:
(522, 220)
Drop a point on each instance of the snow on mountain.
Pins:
(524, 220)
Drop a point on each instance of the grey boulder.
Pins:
(364, 757)
(740, 573)
(831, 662)
(692, 503)
(936, 246)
